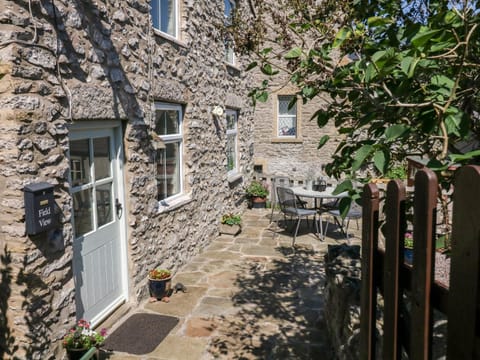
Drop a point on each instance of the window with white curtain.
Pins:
(287, 117)
(165, 16)
(168, 126)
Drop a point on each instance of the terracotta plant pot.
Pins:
(258, 202)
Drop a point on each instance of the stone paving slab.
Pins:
(251, 296)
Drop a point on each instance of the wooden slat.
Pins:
(426, 187)
(395, 230)
(370, 203)
(464, 274)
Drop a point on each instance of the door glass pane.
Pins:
(80, 162)
(166, 122)
(82, 212)
(168, 171)
(104, 204)
(101, 151)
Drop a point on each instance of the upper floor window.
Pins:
(232, 135)
(287, 116)
(168, 126)
(165, 16)
(229, 54)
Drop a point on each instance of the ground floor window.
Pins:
(168, 126)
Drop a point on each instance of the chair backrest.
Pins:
(286, 198)
(277, 181)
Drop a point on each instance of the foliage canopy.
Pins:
(400, 78)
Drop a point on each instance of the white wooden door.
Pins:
(98, 246)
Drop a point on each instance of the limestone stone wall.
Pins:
(73, 61)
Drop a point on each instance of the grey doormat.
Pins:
(140, 333)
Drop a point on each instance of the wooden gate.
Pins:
(384, 271)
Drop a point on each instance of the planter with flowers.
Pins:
(257, 193)
(159, 283)
(231, 224)
(81, 339)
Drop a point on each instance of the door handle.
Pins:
(119, 208)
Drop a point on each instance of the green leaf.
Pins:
(395, 131)
(466, 156)
(381, 159)
(323, 141)
(251, 66)
(442, 81)
(262, 96)
(344, 206)
(345, 185)
(378, 21)
(423, 36)
(341, 36)
(293, 53)
(360, 156)
(267, 69)
(322, 118)
(406, 63)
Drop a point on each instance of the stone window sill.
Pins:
(231, 178)
(287, 140)
(170, 38)
(168, 205)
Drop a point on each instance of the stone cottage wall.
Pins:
(70, 61)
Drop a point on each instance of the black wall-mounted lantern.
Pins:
(39, 207)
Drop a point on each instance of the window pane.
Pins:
(231, 153)
(80, 162)
(82, 212)
(167, 122)
(287, 126)
(168, 171)
(101, 152)
(283, 102)
(231, 121)
(104, 204)
(168, 17)
(155, 12)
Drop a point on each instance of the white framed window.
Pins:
(287, 117)
(168, 126)
(232, 141)
(228, 13)
(165, 16)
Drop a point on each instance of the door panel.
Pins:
(98, 239)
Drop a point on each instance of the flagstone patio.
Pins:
(251, 296)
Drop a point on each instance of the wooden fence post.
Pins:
(370, 203)
(463, 300)
(395, 228)
(424, 204)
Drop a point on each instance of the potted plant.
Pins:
(159, 283)
(408, 247)
(81, 338)
(257, 193)
(231, 224)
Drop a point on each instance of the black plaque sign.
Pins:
(39, 207)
